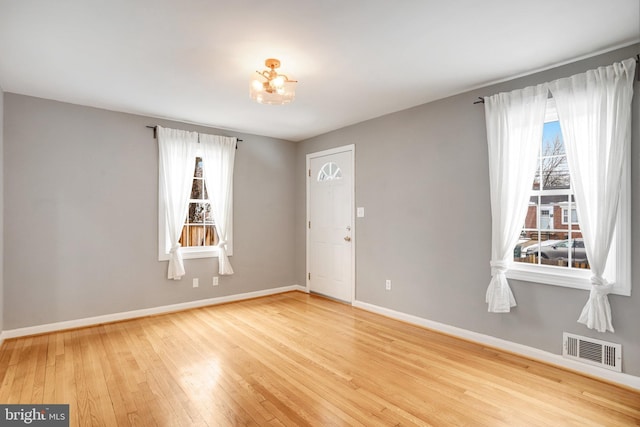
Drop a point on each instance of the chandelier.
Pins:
(269, 87)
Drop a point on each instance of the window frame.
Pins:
(619, 263)
(565, 214)
(188, 252)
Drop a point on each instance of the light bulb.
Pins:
(278, 82)
(257, 85)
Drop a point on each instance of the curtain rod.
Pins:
(481, 99)
(155, 134)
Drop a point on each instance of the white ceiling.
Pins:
(191, 60)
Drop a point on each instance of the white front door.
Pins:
(330, 233)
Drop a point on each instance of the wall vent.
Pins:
(592, 351)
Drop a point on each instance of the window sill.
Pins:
(557, 276)
(195, 253)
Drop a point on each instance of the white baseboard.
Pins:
(115, 317)
(523, 350)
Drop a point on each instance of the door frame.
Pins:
(345, 148)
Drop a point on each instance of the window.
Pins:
(545, 239)
(199, 228)
(550, 249)
(565, 216)
(329, 172)
(199, 235)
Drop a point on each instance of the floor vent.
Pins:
(592, 351)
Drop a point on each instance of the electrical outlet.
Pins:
(387, 285)
(215, 281)
(195, 282)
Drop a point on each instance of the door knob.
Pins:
(347, 239)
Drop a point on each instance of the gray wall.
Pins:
(422, 176)
(1, 209)
(81, 215)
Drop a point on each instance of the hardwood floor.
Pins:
(295, 359)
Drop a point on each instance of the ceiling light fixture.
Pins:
(269, 87)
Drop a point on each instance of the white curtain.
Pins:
(218, 154)
(177, 150)
(515, 123)
(594, 110)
